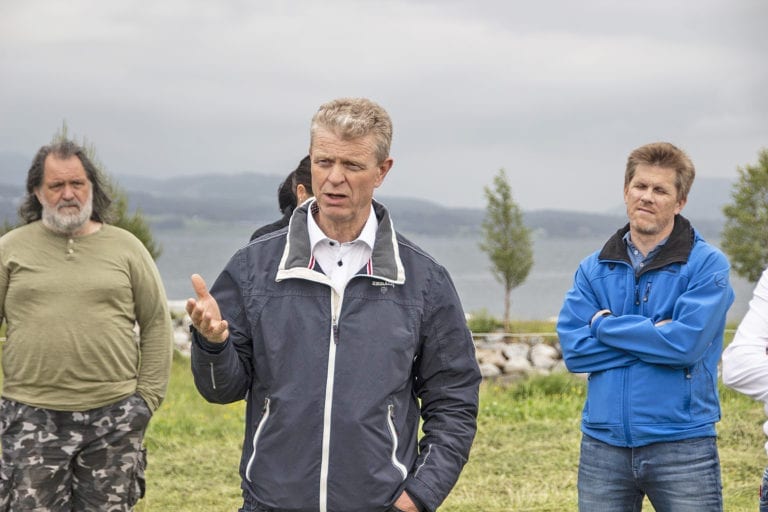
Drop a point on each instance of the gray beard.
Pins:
(67, 224)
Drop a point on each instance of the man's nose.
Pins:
(337, 173)
(68, 192)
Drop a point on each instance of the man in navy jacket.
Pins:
(645, 320)
(342, 335)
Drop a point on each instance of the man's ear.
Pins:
(301, 193)
(383, 169)
(680, 205)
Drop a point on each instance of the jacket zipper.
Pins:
(625, 405)
(336, 300)
(213, 378)
(262, 422)
(335, 329)
(424, 459)
(393, 432)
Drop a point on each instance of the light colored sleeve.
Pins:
(155, 329)
(4, 279)
(3, 290)
(745, 362)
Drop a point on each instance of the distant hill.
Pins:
(251, 198)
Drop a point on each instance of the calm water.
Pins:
(206, 250)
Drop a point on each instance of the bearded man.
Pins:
(79, 386)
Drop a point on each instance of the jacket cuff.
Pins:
(597, 320)
(205, 345)
(422, 496)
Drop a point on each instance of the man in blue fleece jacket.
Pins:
(645, 319)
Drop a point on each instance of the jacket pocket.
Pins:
(604, 397)
(661, 395)
(5, 488)
(259, 429)
(703, 389)
(138, 482)
(399, 466)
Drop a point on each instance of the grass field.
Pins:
(524, 458)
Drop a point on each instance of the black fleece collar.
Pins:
(676, 250)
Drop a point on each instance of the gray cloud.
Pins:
(556, 92)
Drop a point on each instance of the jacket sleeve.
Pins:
(583, 352)
(698, 319)
(745, 362)
(223, 371)
(447, 380)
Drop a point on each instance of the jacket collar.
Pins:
(297, 258)
(676, 250)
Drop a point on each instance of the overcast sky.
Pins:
(557, 92)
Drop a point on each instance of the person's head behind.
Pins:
(296, 187)
(31, 209)
(353, 118)
(301, 179)
(286, 199)
(666, 156)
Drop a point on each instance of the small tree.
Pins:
(506, 240)
(6, 227)
(746, 220)
(118, 214)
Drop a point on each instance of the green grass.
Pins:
(193, 450)
(524, 458)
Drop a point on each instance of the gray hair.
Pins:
(351, 118)
(31, 209)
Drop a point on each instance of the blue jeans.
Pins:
(679, 476)
(764, 493)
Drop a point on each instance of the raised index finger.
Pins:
(199, 286)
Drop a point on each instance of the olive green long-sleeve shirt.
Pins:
(71, 305)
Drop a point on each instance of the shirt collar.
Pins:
(316, 235)
(653, 252)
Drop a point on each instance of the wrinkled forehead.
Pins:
(331, 144)
(69, 168)
(654, 175)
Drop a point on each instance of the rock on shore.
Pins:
(500, 356)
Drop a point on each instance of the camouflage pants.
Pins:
(72, 461)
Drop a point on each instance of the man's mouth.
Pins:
(69, 206)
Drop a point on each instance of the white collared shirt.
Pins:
(341, 261)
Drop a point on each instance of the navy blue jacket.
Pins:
(649, 384)
(337, 383)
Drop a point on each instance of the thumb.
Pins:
(199, 286)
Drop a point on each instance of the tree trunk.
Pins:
(507, 303)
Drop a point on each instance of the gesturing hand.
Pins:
(405, 503)
(204, 313)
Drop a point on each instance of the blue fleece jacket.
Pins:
(649, 383)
